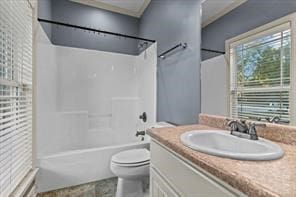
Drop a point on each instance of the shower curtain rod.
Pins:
(94, 30)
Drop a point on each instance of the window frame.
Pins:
(260, 31)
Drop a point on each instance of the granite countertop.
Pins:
(254, 178)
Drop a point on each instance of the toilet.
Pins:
(131, 167)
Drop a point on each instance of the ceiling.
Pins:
(214, 9)
(128, 7)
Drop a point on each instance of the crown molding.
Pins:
(114, 8)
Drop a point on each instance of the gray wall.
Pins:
(45, 11)
(170, 22)
(248, 16)
(78, 14)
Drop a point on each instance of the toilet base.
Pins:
(129, 188)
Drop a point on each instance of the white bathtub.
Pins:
(79, 166)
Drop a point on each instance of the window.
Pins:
(260, 75)
(15, 93)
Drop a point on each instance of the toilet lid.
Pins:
(132, 156)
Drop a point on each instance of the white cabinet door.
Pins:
(159, 187)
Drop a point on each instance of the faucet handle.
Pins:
(229, 121)
(253, 131)
(143, 116)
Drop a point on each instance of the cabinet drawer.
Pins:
(184, 178)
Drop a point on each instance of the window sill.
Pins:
(26, 185)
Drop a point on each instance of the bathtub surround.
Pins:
(260, 178)
(170, 22)
(88, 107)
(87, 91)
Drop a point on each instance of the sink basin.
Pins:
(222, 143)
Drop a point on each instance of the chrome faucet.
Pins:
(240, 128)
(238, 125)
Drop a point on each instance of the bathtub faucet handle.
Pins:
(143, 116)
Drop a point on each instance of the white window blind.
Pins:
(260, 75)
(15, 93)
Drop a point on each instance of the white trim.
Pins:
(35, 26)
(270, 30)
(113, 8)
(291, 19)
(222, 12)
(24, 186)
(143, 8)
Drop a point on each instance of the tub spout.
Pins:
(140, 133)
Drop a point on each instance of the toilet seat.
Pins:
(131, 164)
(132, 158)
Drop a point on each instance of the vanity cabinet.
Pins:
(159, 186)
(173, 176)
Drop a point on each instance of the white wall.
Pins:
(88, 98)
(214, 86)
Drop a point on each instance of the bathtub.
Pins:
(78, 166)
